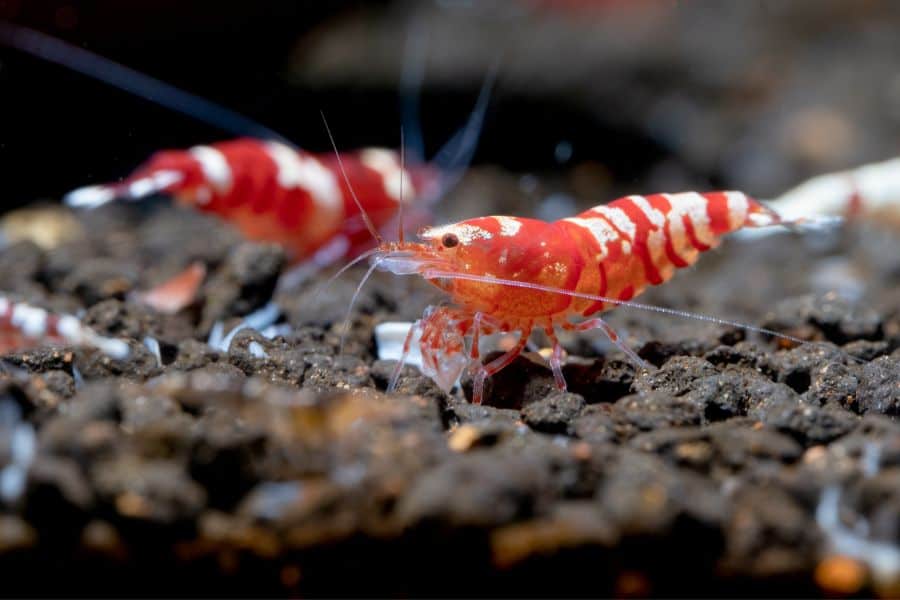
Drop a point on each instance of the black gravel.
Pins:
(213, 472)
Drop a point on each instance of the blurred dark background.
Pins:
(61, 129)
(626, 95)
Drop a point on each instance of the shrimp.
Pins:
(23, 326)
(275, 193)
(268, 188)
(514, 275)
(870, 193)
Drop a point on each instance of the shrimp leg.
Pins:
(395, 375)
(499, 363)
(474, 352)
(556, 360)
(598, 323)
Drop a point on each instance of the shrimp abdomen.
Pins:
(638, 241)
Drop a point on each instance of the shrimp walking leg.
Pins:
(474, 352)
(598, 323)
(442, 344)
(499, 363)
(395, 375)
(556, 360)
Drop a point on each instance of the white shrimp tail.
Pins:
(91, 196)
(94, 196)
(809, 225)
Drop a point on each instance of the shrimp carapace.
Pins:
(510, 274)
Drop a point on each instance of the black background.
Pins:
(60, 129)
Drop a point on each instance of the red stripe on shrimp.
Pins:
(718, 212)
(661, 203)
(636, 208)
(692, 234)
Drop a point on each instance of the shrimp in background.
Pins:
(267, 188)
(870, 193)
(275, 193)
(262, 183)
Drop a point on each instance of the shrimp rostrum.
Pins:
(516, 275)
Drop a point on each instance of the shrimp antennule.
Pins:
(362, 211)
(400, 259)
(362, 282)
(456, 154)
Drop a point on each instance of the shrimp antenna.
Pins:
(362, 211)
(124, 78)
(456, 155)
(411, 77)
(457, 152)
(402, 177)
(436, 274)
(324, 286)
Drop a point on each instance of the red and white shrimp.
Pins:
(270, 190)
(275, 193)
(25, 326)
(510, 274)
(870, 193)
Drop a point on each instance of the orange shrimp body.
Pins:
(556, 274)
(272, 192)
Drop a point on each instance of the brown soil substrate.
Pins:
(222, 473)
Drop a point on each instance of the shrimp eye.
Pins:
(449, 240)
